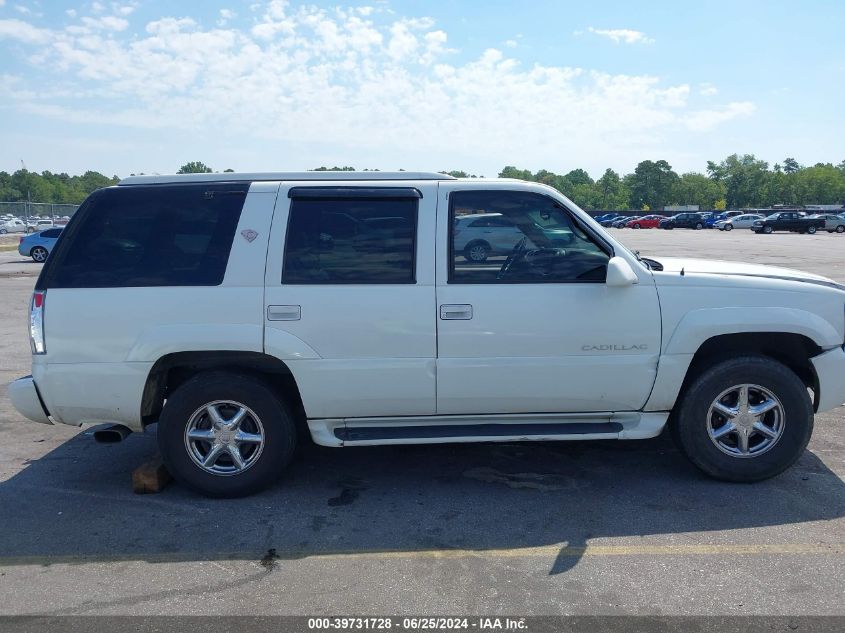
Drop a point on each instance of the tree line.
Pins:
(739, 181)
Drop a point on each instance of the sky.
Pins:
(144, 86)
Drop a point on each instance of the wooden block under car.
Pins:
(150, 477)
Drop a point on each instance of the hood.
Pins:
(717, 267)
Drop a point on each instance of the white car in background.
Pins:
(481, 235)
(12, 226)
(738, 222)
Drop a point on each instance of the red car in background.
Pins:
(645, 222)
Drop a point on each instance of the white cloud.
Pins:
(704, 120)
(707, 90)
(511, 43)
(349, 78)
(620, 36)
(23, 32)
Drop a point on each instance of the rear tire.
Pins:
(39, 254)
(264, 438)
(699, 226)
(699, 420)
(840, 229)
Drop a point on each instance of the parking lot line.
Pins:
(550, 551)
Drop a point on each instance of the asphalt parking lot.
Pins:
(545, 528)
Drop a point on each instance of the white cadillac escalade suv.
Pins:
(242, 312)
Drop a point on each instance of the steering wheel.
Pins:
(518, 249)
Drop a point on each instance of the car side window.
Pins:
(136, 236)
(538, 241)
(51, 233)
(351, 241)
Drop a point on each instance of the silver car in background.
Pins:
(832, 223)
(738, 222)
(39, 245)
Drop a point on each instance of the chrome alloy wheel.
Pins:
(745, 421)
(224, 437)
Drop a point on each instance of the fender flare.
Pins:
(697, 326)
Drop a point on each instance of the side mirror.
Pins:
(620, 273)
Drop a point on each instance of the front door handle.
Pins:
(456, 312)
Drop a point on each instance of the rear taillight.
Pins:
(21, 240)
(36, 322)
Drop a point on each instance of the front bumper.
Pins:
(24, 396)
(830, 372)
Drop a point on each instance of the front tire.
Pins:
(226, 434)
(767, 230)
(811, 230)
(745, 419)
(729, 227)
(477, 252)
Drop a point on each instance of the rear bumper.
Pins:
(24, 396)
(830, 371)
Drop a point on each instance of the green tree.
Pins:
(790, 165)
(745, 178)
(652, 184)
(694, 188)
(612, 192)
(194, 167)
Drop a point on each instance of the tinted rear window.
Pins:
(351, 241)
(169, 235)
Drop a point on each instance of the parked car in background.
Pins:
(744, 221)
(39, 245)
(645, 222)
(619, 223)
(683, 221)
(12, 226)
(710, 222)
(606, 216)
(481, 235)
(608, 222)
(38, 225)
(793, 221)
(832, 223)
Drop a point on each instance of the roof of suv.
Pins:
(293, 175)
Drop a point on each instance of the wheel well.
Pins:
(172, 370)
(792, 350)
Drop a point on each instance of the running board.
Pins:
(489, 428)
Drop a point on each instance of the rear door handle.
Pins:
(284, 313)
(456, 312)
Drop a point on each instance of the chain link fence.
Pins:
(37, 210)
